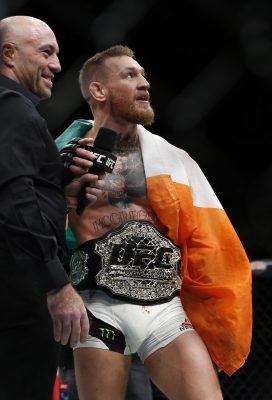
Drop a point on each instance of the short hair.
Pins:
(92, 64)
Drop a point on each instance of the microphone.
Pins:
(105, 161)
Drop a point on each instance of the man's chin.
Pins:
(45, 94)
(146, 118)
(143, 117)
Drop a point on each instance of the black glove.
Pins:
(66, 155)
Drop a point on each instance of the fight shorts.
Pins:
(134, 261)
(127, 328)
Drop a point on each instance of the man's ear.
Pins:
(7, 54)
(98, 91)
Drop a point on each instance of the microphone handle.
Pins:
(81, 199)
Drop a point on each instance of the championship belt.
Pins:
(136, 262)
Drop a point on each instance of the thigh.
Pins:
(183, 369)
(167, 321)
(101, 374)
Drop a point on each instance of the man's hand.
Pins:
(93, 189)
(78, 160)
(69, 315)
(82, 159)
(75, 158)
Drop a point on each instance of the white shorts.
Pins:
(131, 328)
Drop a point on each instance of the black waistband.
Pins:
(84, 265)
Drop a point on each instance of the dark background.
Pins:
(209, 63)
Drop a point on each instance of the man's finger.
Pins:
(75, 333)
(85, 328)
(66, 332)
(57, 330)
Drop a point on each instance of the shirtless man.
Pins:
(157, 256)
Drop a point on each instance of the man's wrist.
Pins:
(55, 291)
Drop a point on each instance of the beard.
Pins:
(130, 112)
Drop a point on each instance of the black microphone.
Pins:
(105, 161)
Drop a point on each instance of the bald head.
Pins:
(29, 53)
(19, 27)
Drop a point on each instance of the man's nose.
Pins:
(54, 64)
(144, 82)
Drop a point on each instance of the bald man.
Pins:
(33, 282)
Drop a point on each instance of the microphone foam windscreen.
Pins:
(105, 139)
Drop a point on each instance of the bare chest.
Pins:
(123, 198)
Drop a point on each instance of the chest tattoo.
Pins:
(126, 184)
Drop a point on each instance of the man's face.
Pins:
(128, 91)
(36, 61)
